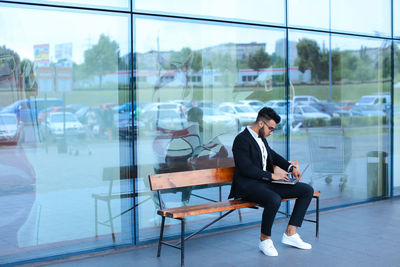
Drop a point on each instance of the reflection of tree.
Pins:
(384, 64)
(311, 56)
(225, 64)
(102, 58)
(396, 59)
(18, 76)
(259, 60)
(186, 61)
(277, 61)
(358, 65)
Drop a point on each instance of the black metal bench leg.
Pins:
(287, 209)
(96, 227)
(111, 219)
(182, 242)
(317, 218)
(161, 236)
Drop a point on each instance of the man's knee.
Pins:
(275, 202)
(308, 190)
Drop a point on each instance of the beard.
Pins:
(261, 133)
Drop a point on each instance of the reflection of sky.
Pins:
(98, 3)
(360, 16)
(271, 11)
(368, 16)
(340, 42)
(396, 19)
(300, 13)
(21, 29)
(176, 35)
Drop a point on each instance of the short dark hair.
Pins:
(267, 113)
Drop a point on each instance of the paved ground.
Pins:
(365, 235)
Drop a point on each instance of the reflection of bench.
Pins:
(167, 181)
(111, 174)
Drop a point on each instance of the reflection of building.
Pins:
(236, 51)
(280, 47)
(206, 77)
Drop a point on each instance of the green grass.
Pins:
(350, 92)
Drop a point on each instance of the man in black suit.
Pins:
(254, 161)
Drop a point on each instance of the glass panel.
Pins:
(114, 4)
(195, 93)
(362, 16)
(60, 128)
(300, 13)
(348, 125)
(396, 18)
(268, 11)
(396, 119)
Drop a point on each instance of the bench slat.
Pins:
(185, 211)
(190, 178)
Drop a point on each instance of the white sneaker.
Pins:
(295, 241)
(267, 247)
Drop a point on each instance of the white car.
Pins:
(305, 100)
(277, 103)
(303, 112)
(165, 115)
(245, 114)
(256, 105)
(379, 103)
(55, 123)
(9, 129)
(222, 122)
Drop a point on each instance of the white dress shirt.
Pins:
(263, 149)
(264, 153)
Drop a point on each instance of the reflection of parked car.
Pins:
(305, 100)
(379, 102)
(219, 120)
(27, 110)
(366, 110)
(277, 103)
(165, 115)
(303, 112)
(123, 122)
(10, 129)
(53, 126)
(245, 114)
(75, 106)
(204, 103)
(331, 108)
(49, 110)
(346, 105)
(256, 105)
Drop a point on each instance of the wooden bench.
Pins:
(165, 181)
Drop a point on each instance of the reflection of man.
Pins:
(254, 161)
(17, 195)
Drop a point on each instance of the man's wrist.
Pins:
(291, 167)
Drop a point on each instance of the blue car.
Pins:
(27, 110)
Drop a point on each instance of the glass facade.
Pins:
(270, 11)
(396, 119)
(94, 98)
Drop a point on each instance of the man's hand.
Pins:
(296, 173)
(279, 176)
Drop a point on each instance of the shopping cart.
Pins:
(330, 153)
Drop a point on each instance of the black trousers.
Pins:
(269, 196)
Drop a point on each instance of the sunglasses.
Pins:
(269, 127)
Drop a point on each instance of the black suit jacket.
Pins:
(248, 163)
